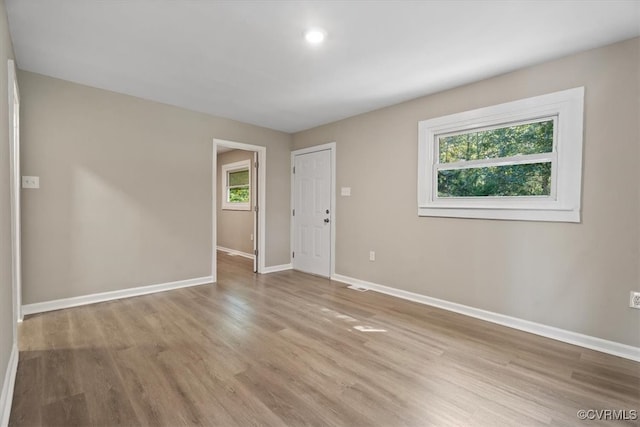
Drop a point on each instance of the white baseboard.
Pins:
(58, 304)
(235, 252)
(276, 268)
(587, 341)
(6, 397)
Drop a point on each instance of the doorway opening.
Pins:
(239, 177)
(313, 201)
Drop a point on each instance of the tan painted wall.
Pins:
(571, 276)
(125, 197)
(234, 227)
(6, 287)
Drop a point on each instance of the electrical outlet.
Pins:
(372, 255)
(634, 300)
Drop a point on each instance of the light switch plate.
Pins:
(30, 182)
(345, 191)
(634, 301)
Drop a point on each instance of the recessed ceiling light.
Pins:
(315, 36)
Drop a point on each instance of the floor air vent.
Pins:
(356, 288)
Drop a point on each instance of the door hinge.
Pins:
(294, 212)
(293, 254)
(294, 169)
(255, 208)
(255, 252)
(256, 165)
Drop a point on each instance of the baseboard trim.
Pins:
(587, 341)
(276, 268)
(235, 252)
(59, 304)
(6, 398)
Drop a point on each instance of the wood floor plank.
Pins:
(290, 349)
(68, 411)
(28, 395)
(141, 374)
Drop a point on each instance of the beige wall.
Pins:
(125, 190)
(571, 276)
(234, 227)
(6, 287)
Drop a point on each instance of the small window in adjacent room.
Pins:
(521, 160)
(236, 185)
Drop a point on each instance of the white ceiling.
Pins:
(248, 60)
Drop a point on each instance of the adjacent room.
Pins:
(236, 217)
(319, 213)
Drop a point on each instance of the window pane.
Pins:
(239, 178)
(530, 138)
(239, 195)
(513, 180)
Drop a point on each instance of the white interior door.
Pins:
(311, 214)
(254, 207)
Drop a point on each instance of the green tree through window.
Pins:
(236, 185)
(238, 182)
(518, 160)
(457, 178)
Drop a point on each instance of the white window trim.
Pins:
(233, 167)
(564, 203)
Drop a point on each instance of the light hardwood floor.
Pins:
(285, 349)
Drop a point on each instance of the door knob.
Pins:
(326, 220)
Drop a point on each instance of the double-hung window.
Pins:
(236, 185)
(521, 160)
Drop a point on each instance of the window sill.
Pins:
(243, 207)
(504, 214)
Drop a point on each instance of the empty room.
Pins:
(319, 213)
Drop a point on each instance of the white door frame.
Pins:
(14, 183)
(262, 181)
(332, 215)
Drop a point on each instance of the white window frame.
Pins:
(225, 170)
(562, 205)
